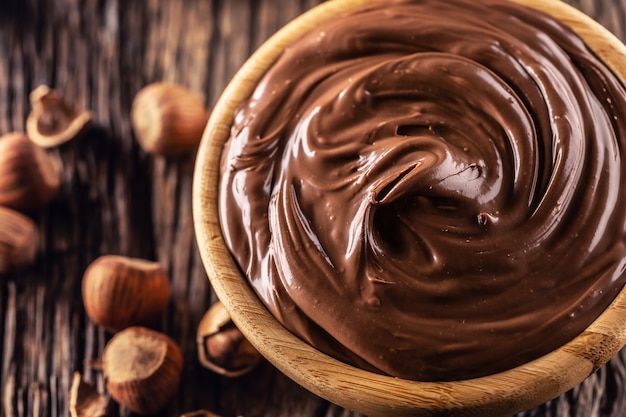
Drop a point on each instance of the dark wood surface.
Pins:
(115, 199)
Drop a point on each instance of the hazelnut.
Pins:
(53, 121)
(168, 119)
(222, 348)
(18, 240)
(85, 400)
(120, 292)
(142, 369)
(29, 177)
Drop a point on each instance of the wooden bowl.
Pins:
(501, 394)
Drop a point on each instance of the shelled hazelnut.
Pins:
(142, 369)
(18, 240)
(168, 119)
(120, 292)
(222, 348)
(29, 177)
(53, 120)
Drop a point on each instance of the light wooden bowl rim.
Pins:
(500, 394)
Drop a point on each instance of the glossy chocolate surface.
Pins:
(431, 189)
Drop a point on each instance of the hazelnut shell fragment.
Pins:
(53, 121)
(142, 369)
(29, 177)
(120, 292)
(19, 238)
(222, 348)
(85, 400)
(168, 119)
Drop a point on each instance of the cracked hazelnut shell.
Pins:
(85, 400)
(222, 348)
(53, 120)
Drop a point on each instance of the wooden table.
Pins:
(115, 199)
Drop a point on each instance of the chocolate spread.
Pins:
(431, 189)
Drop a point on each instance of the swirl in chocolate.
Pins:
(431, 189)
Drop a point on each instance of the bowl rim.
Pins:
(500, 394)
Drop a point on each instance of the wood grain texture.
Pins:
(116, 199)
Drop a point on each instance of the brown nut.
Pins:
(168, 119)
(29, 177)
(222, 348)
(53, 121)
(120, 292)
(18, 240)
(142, 369)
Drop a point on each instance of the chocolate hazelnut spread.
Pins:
(431, 189)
